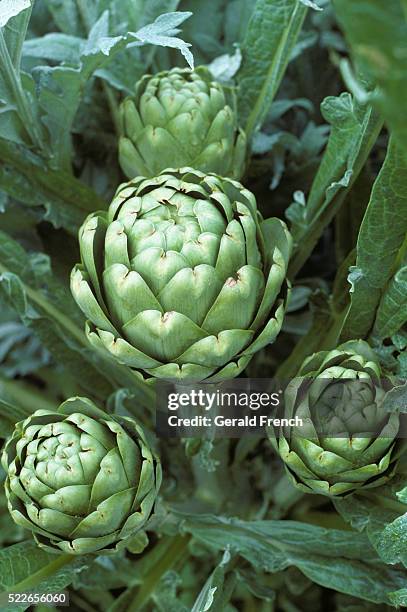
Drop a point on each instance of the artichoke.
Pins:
(180, 118)
(80, 479)
(348, 439)
(181, 277)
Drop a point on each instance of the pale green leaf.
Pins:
(381, 236)
(392, 311)
(271, 34)
(354, 131)
(339, 560)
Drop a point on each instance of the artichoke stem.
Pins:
(25, 396)
(113, 106)
(174, 552)
(286, 494)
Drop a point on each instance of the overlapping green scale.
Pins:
(182, 278)
(348, 440)
(180, 118)
(81, 480)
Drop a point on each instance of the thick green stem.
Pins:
(25, 397)
(80, 603)
(323, 335)
(113, 106)
(173, 554)
(287, 495)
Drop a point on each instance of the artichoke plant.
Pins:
(81, 480)
(348, 440)
(181, 277)
(180, 118)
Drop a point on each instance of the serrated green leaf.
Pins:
(271, 34)
(162, 32)
(275, 545)
(385, 522)
(211, 593)
(355, 128)
(55, 47)
(381, 236)
(392, 311)
(60, 88)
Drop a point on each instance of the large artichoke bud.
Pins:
(181, 277)
(180, 118)
(80, 479)
(348, 440)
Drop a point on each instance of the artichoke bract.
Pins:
(82, 480)
(180, 118)
(181, 277)
(348, 440)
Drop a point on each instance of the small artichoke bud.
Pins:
(181, 118)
